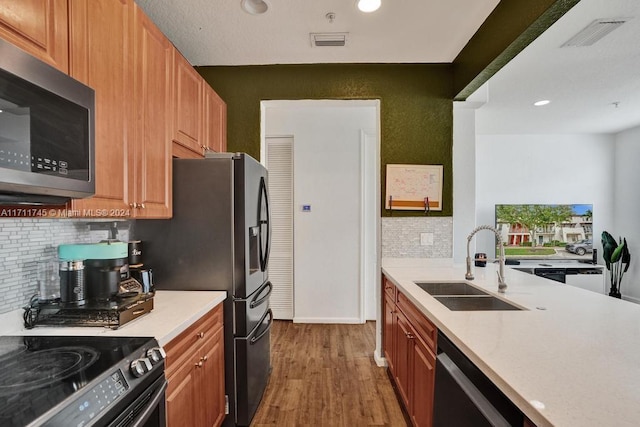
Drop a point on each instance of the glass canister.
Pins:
(72, 285)
(48, 280)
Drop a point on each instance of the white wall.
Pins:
(627, 206)
(327, 137)
(558, 169)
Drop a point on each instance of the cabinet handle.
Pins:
(142, 206)
(205, 358)
(133, 205)
(410, 335)
(199, 364)
(200, 334)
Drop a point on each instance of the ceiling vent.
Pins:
(594, 32)
(328, 39)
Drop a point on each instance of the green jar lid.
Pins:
(82, 251)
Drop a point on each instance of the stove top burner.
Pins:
(43, 368)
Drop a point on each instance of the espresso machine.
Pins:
(95, 289)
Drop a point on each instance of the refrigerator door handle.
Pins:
(255, 301)
(257, 338)
(264, 246)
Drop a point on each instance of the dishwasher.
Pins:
(464, 396)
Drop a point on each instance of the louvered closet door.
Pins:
(279, 162)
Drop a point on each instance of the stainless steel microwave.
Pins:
(46, 132)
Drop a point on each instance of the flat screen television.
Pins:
(546, 231)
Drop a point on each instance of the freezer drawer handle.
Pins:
(256, 302)
(257, 338)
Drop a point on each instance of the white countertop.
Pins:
(173, 312)
(575, 363)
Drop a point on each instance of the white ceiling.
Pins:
(582, 83)
(219, 32)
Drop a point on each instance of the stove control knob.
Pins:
(156, 355)
(141, 366)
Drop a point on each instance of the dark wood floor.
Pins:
(325, 375)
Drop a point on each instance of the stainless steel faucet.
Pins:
(502, 286)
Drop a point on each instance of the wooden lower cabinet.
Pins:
(195, 372)
(409, 347)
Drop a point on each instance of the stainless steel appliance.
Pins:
(464, 396)
(46, 132)
(218, 239)
(81, 381)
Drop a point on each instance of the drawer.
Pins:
(423, 326)
(185, 344)
(389, 288)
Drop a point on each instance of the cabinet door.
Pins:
(403, 343)
(182, 395)
(422, 381)
(388, 335)
(215, 121)
(187, 102)
(39, 27)
(100, 57)
(152, 149)
(212, 381)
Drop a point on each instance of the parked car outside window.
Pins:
(581, 247)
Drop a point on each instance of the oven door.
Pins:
(147, 410)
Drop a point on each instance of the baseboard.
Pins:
(380, 361)
(631, 299)
(328, 320)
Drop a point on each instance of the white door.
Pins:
(279, 163)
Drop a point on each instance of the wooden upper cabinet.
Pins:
(151, 152)
(187, 104)
(215, 121)
(39, 27)
(101, 51)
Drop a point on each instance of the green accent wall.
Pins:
(416, 100)
(416, 107)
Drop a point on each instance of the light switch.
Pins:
(426, 239)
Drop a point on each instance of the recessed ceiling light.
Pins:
(541, 103)
(254, 7)
(369, 5)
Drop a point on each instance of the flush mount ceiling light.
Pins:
(369, 5)
(254, 7)
(541, 103)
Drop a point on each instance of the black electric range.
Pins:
(80, 381)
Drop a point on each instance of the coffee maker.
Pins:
(105, 264)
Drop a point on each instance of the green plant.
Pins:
(617, 259)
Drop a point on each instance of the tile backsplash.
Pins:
(24, 241)
(401, 237)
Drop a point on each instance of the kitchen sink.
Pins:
(452, 288)
(475, 303)
(461, 296)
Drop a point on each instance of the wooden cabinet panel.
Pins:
(101, 51)
(39, 27)
(151, 184)
(195, 372)
(215, 121)
(402, 338)
(423, 363)
(187, 102)
(423, 327)
(387, 334)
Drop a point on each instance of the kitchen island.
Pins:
(571, 358)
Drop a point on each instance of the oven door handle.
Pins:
(158, 396)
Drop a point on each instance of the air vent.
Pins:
(594, 32)
(328, 39)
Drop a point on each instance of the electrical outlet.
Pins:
(426, 239)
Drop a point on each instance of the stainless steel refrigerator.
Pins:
(218, 239)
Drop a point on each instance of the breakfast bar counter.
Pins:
(569, 358)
